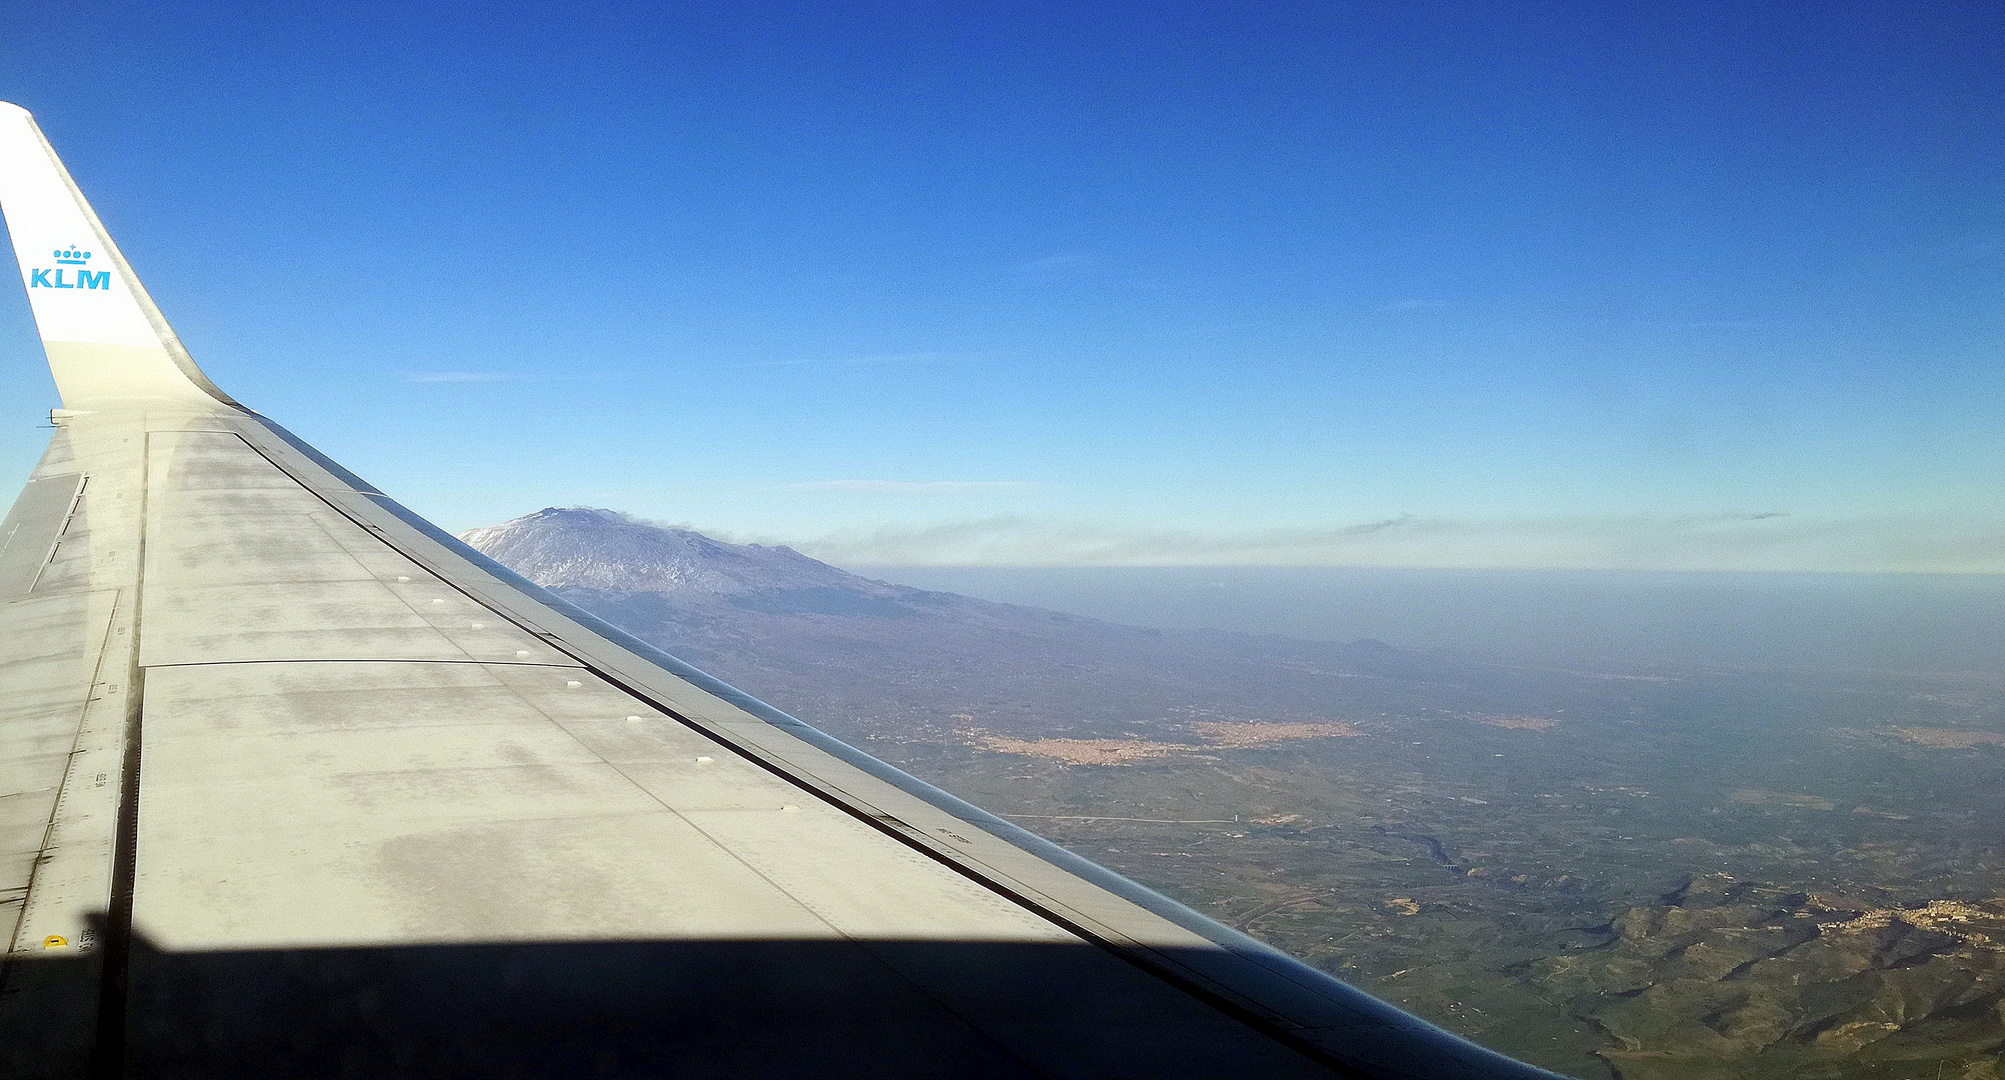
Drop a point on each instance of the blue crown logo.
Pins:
(72, 256)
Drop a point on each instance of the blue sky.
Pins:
(1708, 286)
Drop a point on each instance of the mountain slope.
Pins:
(580, 547)
(867, 658)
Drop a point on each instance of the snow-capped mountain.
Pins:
(585, 548)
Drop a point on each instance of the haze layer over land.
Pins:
(1920, 622)
(1661, 871)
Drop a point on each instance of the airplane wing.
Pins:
(294, 784)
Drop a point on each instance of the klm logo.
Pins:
(85, 279)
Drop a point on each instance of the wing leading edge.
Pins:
(293, 782)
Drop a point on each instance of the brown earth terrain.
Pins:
(1217, 735)
(1519, 723)
(1946, 739)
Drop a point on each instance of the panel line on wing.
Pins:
(60, 889)
(34, 528)
(76, 500)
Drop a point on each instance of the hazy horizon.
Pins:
(1917, 622)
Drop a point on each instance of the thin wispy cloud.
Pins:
(1976, 245)
(865, 360)
(1055, 266)
(1089, 271)
(912, 487)
(1727, 517)
(462, 376)
(903, 358)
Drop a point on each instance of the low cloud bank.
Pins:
(1765, 541)
(913, 487)
(461, 376)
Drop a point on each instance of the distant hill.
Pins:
(869, 658)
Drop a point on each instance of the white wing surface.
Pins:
(293, 784)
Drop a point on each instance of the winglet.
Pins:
(106, 340)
